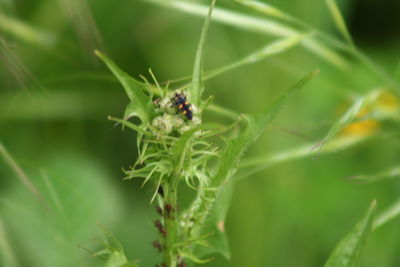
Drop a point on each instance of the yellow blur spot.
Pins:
(388, 102)
(361, 128)
(385, 104)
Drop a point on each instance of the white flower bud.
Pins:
(163, 123)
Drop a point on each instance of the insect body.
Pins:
(183, 106)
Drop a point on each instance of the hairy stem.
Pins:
(170, 255)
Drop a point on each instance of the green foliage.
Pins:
(387, 215)
(348, 251)
(338, 18)
(217, 242)
(113, 252)
(255, 125)
(190, 166)
(76, 194)
(197, 88)
(140, 105)
(393, 172)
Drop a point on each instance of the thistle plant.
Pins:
(176, 147)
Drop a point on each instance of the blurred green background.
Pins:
(55, 97)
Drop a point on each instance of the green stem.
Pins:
(171, 225)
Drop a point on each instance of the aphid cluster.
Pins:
(182, 105)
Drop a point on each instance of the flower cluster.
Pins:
(170, 120)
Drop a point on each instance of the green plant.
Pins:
(175, 149)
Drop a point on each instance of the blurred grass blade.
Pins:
(339, 21)
(348, 117)
(7, 256)
(388, 174)
(21, 175)
(231, 18)
(265, 9)
(140, 104)
(80, 16)
(256, 124)
(348, 251)
(17, 68)
(197, 88)
(25, 32)
(268, 50)
(254, 24)
(387, 215)
(326, 53)
(258, 163)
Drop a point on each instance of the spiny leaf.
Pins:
(218, 241)
(197, 88)
(256, 123)
(115, 251)
(338, 18)
(192, 257)
(348, 251)
(182, 146)
(140, 105)
(130, 125)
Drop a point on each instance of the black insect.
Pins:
(183, 106)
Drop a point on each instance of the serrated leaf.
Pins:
(116, 256)
(140, 105)
(116, 259)
(197, 88)
(256, 124)
(218, 241)
(348, 251)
